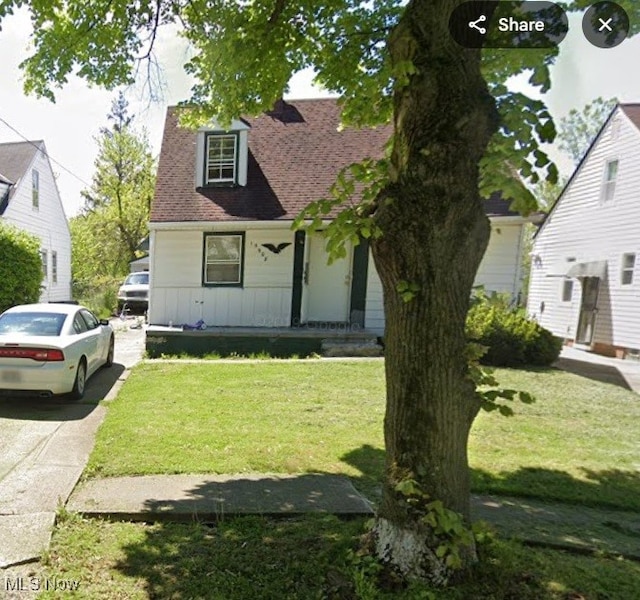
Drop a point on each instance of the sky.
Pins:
(70, 126)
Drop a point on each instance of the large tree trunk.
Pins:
(444, 118)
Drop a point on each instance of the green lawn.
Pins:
(298, 559)
(577, 443)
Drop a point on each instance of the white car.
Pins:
(48, 349)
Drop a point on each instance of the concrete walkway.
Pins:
(624, 373)
(188, 498)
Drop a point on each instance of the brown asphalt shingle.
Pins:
(295, 155)
(633, 112)
(15, 158)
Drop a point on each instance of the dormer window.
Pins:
(222, 158)
(222, 155)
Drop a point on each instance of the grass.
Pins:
(302, 558)
(577, 443)
(235, 418)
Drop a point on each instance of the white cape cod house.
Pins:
(585, 284)
(222, 251)
(29, 200)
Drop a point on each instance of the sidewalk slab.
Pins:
(24, 537)
(209, 498)
(561, 525)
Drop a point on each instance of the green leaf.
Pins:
(408, 487)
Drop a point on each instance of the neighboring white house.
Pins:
(32, 202)
(221, 245)
(585, 283)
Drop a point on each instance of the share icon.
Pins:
(474, 24)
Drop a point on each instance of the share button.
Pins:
(507, 24)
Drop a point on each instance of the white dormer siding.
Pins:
(239, 131)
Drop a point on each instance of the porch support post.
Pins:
(298, 271)
(359, 284)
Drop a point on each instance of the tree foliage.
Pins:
(579, 128)
(114, 218)
(20, 267)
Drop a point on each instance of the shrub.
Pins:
(20, 267)
(100, 294)
(510, 337)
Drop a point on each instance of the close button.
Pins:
(605, 24)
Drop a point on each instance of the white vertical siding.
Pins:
(499, 271)
(177, 293)
(47, 222)
(374, 306)
(581, 226)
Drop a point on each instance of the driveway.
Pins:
(44, 446)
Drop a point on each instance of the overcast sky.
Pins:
(69, 127)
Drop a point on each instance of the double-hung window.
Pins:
(45, 266)
(221, 158)
(609, 183)
(628, 265)
(223, 254)
(35, 188)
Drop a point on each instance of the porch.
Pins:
(325, 339)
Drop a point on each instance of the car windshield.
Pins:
(32, 323)
(137, 279)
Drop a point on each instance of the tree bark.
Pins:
(443, 118)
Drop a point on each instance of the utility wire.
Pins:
(53, 160)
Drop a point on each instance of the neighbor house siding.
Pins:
(47, 222)
(178, 295)
(583, 227)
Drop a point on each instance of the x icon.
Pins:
(605, 24)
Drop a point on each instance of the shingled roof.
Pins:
(295, 154)
(15, 158)
(633, 112)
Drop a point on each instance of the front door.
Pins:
(327, 287)
(588, 310)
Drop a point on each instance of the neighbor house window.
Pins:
(567, 290)
(609, 183)
(223, 259)
(628, 264)
(43, 258)
(35, 188)
(221, 158)
(54, 266)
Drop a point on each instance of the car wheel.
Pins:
(77, 393)
(109, 361)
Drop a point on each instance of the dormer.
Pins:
(221, 155)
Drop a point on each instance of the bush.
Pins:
(100, 294)
(20, 267)
(510, 337)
